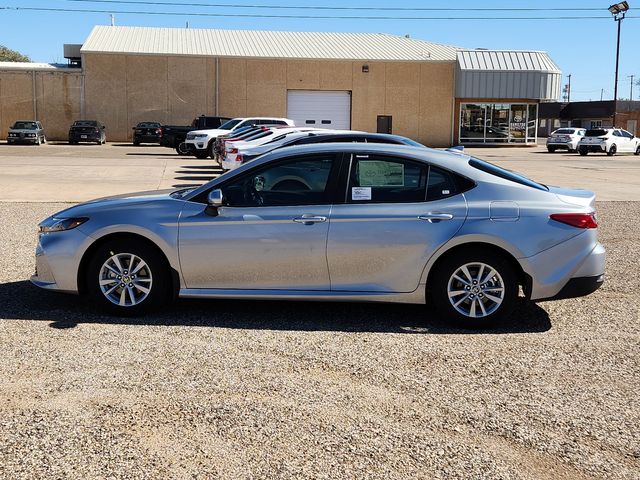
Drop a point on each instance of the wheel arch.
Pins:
(524, 279)
(88, 253)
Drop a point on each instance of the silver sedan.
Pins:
(342, 222)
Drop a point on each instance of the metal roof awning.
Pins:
(506, 74)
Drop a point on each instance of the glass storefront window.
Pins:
(498, 122)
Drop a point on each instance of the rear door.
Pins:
(396, 213)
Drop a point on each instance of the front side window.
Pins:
(300, 181)
(229, 124)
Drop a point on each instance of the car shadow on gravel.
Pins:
(23, 301)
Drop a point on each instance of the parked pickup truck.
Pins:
(174, 135)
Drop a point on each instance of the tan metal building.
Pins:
(353, 80)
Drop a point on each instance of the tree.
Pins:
(8, 55)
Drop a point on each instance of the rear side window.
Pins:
(596, 132)
(506, 174)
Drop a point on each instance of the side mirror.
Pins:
(215, 199)
(103, 127)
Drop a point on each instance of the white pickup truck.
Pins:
(200, 142)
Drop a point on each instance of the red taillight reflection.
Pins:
(578, 220)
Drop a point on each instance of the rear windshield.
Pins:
(564, 131)
(148, 125)
(25, 125)
(85, 123)
(229, 124)
(506, 174)
(596, 132)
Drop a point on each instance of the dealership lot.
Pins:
(235, 389)
(83, 172)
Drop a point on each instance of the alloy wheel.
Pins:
(476, 290)
(125, 279)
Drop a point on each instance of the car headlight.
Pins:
(31, 134)
(61, 224)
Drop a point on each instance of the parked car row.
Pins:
(593, 140)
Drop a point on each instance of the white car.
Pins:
(200, 142)
(609, 141)
(565, 138)
(236, 151)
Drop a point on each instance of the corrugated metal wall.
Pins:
(507, 85)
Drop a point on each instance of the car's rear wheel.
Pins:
(44, 139)
(612, 150)
(128, 278)
(474, 288)
(583, 151)
(637, 152)
(551, 149)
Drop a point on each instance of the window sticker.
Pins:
(376, 173)
(361, 193)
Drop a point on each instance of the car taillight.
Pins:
(97, 130)
(159, 131)
(578, 220)
(233, 150)
(239, 159)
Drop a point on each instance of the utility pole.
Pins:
(631, 93)
(601, 93)
(113, 20)
(569, 90)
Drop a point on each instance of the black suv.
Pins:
(87, 131)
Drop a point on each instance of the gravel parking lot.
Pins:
(233, 389)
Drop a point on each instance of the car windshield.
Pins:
(148, 124)
(596, 132)
(506, 174)
(25, 125)
(229, 125)
(85, 123)
(565, 131)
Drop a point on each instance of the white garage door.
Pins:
(320, 109)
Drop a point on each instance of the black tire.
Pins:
(210, 152)
(44, 139)
(157, 267)
(182, 149)
(637, 152)
(72, 142)
(583, 151)
(439, 288)
(612, 150)
(551, 149)
(201, 154)
(136, 143)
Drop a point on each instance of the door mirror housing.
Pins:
(215, 199)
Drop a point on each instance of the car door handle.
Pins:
(310, 219)
(435, 217)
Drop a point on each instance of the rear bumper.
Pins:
(593, 148)
(88, 137)
(567, 145)
(578, 287)
(146, 138)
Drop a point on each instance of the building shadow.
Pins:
(22, 301)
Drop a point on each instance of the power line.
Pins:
(326, 7)
(307, 17)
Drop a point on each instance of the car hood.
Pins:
(214, 132)
(116, 202)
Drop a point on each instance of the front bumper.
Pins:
(58, 258)
(26, 140)
(197, 144)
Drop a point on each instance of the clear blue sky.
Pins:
(584, 48)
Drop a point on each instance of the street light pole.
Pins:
(618, 10)
(631, 92)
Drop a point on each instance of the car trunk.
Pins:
(573, 196)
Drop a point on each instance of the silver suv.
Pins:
(26, 131)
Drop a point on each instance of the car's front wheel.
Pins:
(182, 149)
(474, 288)
(637, 152)
(612, 150)
(583, 151)
(201, 154)
(551, 149)
(128, 277)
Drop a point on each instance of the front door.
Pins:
(396, 215)
(271, 234)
